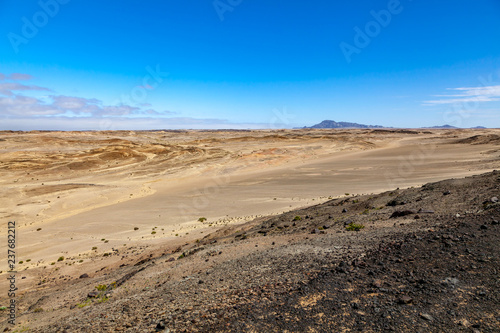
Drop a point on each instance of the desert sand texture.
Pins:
(81, 194)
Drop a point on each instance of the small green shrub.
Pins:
(346, 193)
(84, 304)
(102, 299)
(153, 232)
(136, 228)
(354, 227)
(94, 248)
(297, 218)
(61, 258)
(21, 262)
(28, 260)
(202, 219)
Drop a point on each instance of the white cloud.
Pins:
(118, 123)
(15, 104)
(6, 88)
(26, 106)
(16, 77)
(468, 95)
(20, 76)
(59, 112)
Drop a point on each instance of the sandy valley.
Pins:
(83, 195)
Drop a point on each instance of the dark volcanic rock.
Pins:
(402, 213)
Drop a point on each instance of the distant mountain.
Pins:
(342, 124)
(479, 127)
(442, 127)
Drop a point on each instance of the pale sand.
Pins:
(100, 185)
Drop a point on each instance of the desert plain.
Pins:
(82, 196)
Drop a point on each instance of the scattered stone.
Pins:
(93, 294)
(377, 283)
(494, 199)
(450, 281)
(446, 193)
(160, 326)
(396, 202)
(426, 316)
(84, 276)
(405, 300)
(425, 211)
(344, 210)
(463, 322)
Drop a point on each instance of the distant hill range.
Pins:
(443, 127)
(342, 124)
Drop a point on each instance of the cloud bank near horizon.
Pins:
(468, 95)
(18, 111)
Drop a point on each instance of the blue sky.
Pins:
(73, 64)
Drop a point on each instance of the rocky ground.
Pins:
(422, 259)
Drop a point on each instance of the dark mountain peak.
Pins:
(444, 127)
(342, 124)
